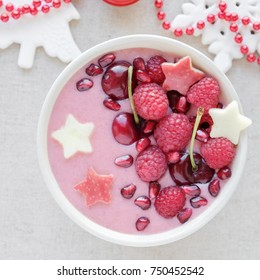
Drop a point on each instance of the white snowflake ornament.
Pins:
(218, 35)
(48, 30)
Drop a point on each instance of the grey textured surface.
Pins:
(32, 226)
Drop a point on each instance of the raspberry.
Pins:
(173, 132)
(150, 101)
(205, 93)
(218, 152)
(170, 201)
(151, 164)
(154, 69)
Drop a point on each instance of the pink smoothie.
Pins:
(120, 214)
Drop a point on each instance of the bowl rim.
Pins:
(138, 41)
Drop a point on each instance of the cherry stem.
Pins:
(200, 112)
(130, 94)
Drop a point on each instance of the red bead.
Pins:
(4, 17)
(251, 57)
(200, 24)
(189, 30)
(37, 3)
(211, 18)
(244, 49)
(33, 10)
(238, 38)
(221, 15)
(9, 7)
(256, 25)
(158, 3)
(161, 15)
(66, 1)
(222, 6)
(15, 14)
(245, 20)
(48, 1)
(234, 16)
(56, 3)
(228, 16)
(178, 32)
(233, 27)
(1, 3)
(166, 25)
(258, 60)
(25, 8)
(45, 8)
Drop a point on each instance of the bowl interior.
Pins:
(165, 45)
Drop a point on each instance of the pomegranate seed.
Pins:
(234, 16)
(154, 188)
(198, 201)
(178, 32)
(142, 144)
(124, 161)
(224, 173)
(173, 157)
(161, 15)
(202, 135)
(222, 6)
(233, 27)
(9, 7)
(244, 49)
(112, 104)
(192, 190)
(158, 3)
(214, 187)
(251, 57)
(256, 25)
(184, 215)
(189, 30)
(142, 223)
(128, 191)
(143, 202)
(84, 84)
(106, 59)
(149, 127)
(200, 24)
(139, 64)
(245, 20)
(94, 70)
(143, 76)
(166, 25)
(211, 18)
(182, 105)
(238, 38)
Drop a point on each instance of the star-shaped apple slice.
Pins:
(74, 136)
(181, 75)
(96, 187)
(228, 122)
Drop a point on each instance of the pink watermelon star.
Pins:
(96, 187)
(181, 75)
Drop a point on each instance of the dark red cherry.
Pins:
(124, 129)
(183, 174)
(114, 80)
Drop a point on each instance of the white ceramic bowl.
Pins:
(162, 44)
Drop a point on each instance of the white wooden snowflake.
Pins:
(218, 36)
(50, 31)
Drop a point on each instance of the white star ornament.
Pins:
(228, 122)
(74, 136)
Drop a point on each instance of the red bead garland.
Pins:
(223, 14)
(36, 6)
